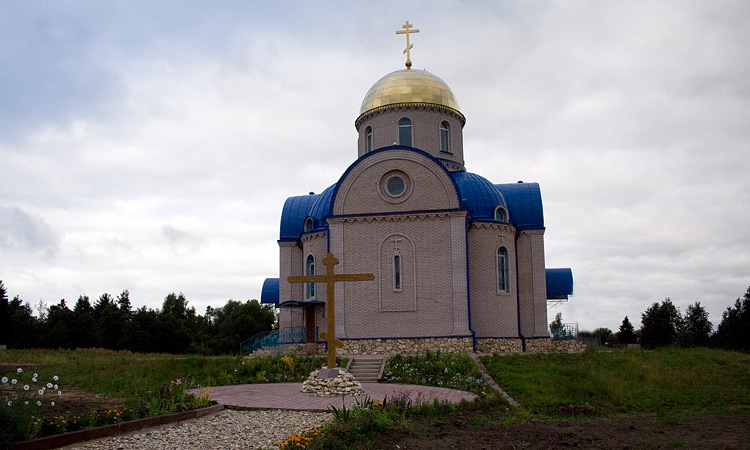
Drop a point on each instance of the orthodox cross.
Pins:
(406, 30)
(395, 241)
(329, 278)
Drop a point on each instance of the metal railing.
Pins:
(567, 331)
(290, 335)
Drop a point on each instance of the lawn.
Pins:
(50, 391)
(670, 384)
(626, 381)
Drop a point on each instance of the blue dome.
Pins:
(322, 208)
(297, 209)
(524, 205)
(478, 195)
(270, 292)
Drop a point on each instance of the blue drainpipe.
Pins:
(468, 289)
(518, 296)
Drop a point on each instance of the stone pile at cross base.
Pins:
(331, 383)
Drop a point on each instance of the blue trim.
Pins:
(518, 298)
(385, 149)
(468, 290)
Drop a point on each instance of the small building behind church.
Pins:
(458, 259)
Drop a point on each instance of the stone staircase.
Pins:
(366, 369)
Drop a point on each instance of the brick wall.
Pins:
(425, 130)
(494, 313)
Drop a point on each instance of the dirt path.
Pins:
(696, 432)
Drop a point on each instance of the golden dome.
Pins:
(408, 87)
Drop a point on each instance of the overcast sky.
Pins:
(149, 146)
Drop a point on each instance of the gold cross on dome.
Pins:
(406, 30)
(329, 278)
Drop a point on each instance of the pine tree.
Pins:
(626, 333)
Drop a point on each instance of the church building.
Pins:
(458, 260)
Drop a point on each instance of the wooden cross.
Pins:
(406, 30)
(329, 278)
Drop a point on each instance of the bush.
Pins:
(456, 371)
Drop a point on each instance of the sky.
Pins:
(150, 146)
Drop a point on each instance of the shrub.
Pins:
(456, 371)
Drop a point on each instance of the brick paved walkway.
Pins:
(287, 396)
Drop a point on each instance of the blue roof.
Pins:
(297, 209)
(270, 292)
(322, 208)
(478, 195)
(559, 283)
(524, 202)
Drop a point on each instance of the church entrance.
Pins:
(310, 329)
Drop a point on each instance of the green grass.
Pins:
(627, 381)
(149, 384)
(128, 375)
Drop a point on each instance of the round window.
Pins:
(396, 186)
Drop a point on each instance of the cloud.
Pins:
(135, 132)
(180, 240)
(23, 231)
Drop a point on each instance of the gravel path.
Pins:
(228, 429)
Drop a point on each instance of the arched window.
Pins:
(368, 139)
(310, 270)
(502, 269)
(308, 225)
(404, 132)
(445, 137)
(501, 214)
(396, 272)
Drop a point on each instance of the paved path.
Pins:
(287, 396)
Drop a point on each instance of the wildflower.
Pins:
(55, 378)
(13, 381)
(35, 375)
(25, 387)
(41, 391)
(5, 380)
(38, 403)
(52, 403)
(49, 385)
(59, 393)
(26, 402)
(54, 387)
(10, 402)
(19, 370)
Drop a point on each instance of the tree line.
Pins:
(112, 323)
(663, 325)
